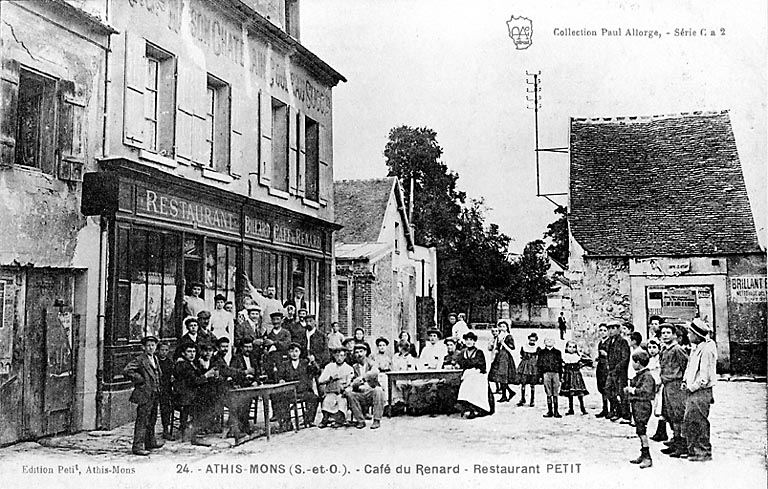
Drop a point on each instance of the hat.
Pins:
(449, 340)
(452, 314)
(289, 302)
(338, 350)
(382, 339)
(347, 340)
(276, 314)
(205, 345)
(700, 327)
(222, 340)
(187, 344)
(149, 338)
(533, 335)
(469, 335)
(204, 314)
(299, 287)
(189, 319)
(293, 345)
(613, 323)
(253, 306)
(360, 346)
(433, 331)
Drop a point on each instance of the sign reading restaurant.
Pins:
(153, 203)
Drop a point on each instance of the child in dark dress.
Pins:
(166, 387)
(573, 382)
(528, 372)
(641, 392)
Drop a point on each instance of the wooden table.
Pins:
(264, 392)
(427, 374)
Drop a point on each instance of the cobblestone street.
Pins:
(514, 436)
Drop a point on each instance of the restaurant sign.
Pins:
(283, 232)
(748, 288)
(161, 205)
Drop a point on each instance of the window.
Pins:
(312, 147)
(217, 110)
(220, 271)
(279, 145)
(285, 272)
(397, 237)
(36, 114)
(147, 267)
(159, 101)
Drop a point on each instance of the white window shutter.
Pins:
(135, 78)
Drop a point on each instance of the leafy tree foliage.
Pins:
(557, 233)
(533, 282)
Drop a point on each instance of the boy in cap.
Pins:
(640, 393)
(249, 325)
(314, 345)
(335, 338)
(144, 371)
(451, 359)
(191, 336)
(166, 387)
(699, 378)
(335, 379)
(672, 361)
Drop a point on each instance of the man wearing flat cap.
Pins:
(144, 371)
(618, 364)
(191, 336)
(276, 345)
(365, 389)
(699, 378)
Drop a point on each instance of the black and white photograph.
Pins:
(383, 243)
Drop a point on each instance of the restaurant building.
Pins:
(660, 225)
(218, 162)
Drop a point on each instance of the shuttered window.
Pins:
(217, 125)
(280, 160)
(312, 159)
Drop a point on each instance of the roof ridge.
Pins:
(354, 180)
(629, 119)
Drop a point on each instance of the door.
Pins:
(49, 340)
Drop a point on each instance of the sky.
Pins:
(452, 66)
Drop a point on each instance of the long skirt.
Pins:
(503, 368)
(475, 391)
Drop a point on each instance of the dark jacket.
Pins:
(296, 329)
(618, 357)
(145, 378)
(549, 360)
(185, 338)
(473, 358)
(304, 374)
(318, 346)
(451, 360)
(166, 377)
(238, 367)
(210, 390)
(187, 379)
(645, 386)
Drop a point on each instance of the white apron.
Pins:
(474, 389)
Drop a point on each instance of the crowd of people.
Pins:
(346, 379)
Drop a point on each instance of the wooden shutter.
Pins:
(265, 168)
(238, 109)
(199, 126)
(71, 144)
(9, 92)
(293, 150)
(324, 171)
(302, 163)
(135, 78)
(185, 112)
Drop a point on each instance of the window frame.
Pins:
(219, 113)
(281, 150)
(162, 140)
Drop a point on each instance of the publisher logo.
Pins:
(521, 31)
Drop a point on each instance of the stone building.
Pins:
(660, 224)
(218, 162)
(380, 272)
(52, 88)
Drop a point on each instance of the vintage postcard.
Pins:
(383, 243)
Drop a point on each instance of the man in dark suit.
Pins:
(314, 344)
(304, 372)
(144, 372)
(244, 369)
(276, 345)
(618, 362)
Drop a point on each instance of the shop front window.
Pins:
(220, 271)
(152, 263)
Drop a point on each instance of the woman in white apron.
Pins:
(474, 394)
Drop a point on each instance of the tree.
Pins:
(473, 268)
(413, 153)
(533, 279)
(557, 233)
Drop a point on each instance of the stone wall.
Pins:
(747, 317)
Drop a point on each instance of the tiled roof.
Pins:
(661, 185)
(360, 251)
(359, 206)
